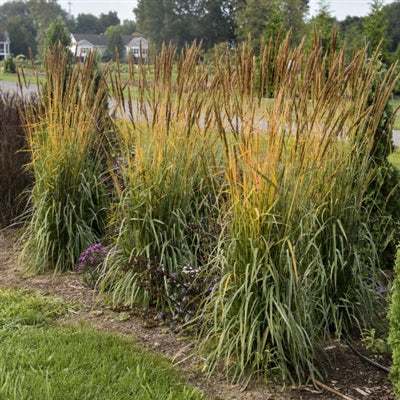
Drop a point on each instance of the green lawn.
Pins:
(14, 78)
(42, 360)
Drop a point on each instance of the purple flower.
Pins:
(91, 257)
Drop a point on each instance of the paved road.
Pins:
(12, 86)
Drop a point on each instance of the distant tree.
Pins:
(264, 18)
(351, 33)
(70, 22)
(114, 40)
(325, 23)
(182, 21)
(12, 9)
(376, 27)
(128, 27)
(44, 13)
(294, 13)
(22, 34)
(215, 20)
(88, 23)
(110, 19)
(251, 19)
(57, 33)
(155, 19)
(34, 17)
(273, 24)
(392, 14)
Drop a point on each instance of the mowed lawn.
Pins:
(40, 359)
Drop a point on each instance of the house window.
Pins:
(2, 47)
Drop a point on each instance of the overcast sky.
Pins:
(339, 8)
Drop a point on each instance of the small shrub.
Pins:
(9, 66)
(374, 343)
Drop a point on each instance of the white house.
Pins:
(4, 45)
(83, 43)
(138, 46)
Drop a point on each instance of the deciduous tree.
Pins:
(128, 27)
(44, 13)
(182, 21)
(22, 34)
(110, 19)
(12, 9)
(264, 18)
(87, 23)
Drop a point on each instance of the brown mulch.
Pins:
(346, 372)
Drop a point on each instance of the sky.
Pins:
(339, 8)
(124, 8)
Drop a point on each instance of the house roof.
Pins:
(95, 40)
(4, 37)
(101, 40)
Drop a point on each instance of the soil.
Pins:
(346, 373)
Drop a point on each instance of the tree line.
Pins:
(27, 24)
(214, 22)
(221, 21)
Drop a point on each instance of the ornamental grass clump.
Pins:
(167, 214)
(266, 201)
(68, 197)
(297, 263)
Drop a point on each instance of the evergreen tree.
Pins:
(57, 33)
(325, 23)
(375, 27)
(392, 14)
(114, 41)
(351, 33)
